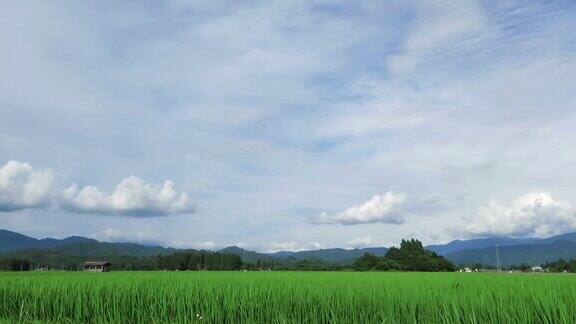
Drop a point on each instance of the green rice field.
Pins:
(287, 297)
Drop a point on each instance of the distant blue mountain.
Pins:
(532, 254)
(571, 237)
(12, 241)
(459, 245)
(282, 254)
(491, 242)
(469, 251)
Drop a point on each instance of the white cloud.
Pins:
(112, 234)
(535, 214)
(206, 245)
(133, 196)
(380, 209)
(21, 187)
(291, 246)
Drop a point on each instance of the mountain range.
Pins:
(532, 254)
(11, 242)
(512, 251)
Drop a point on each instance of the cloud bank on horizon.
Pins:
(532, 215)
(426, 119)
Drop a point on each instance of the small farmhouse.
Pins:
(97, 266)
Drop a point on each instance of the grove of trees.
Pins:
(410, 256)
(561, 266)
(188, 260)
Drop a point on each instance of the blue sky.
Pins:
(287, 124)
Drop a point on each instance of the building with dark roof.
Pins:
(97, 266)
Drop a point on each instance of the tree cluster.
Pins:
(410, 256)
(201, 260)
(561, 266)
(293, 264)
(14, 264)
(188, 260)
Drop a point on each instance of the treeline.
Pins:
(198, 261)
(14, 264)
(187, 260)
(54, 260)
(410, 256)
(293, 264)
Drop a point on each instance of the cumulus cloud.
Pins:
(379, 209)
(22, 186)
(133, 196)
(534, 214)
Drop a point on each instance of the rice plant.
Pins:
(287, 297)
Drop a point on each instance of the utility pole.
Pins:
(497, 258)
